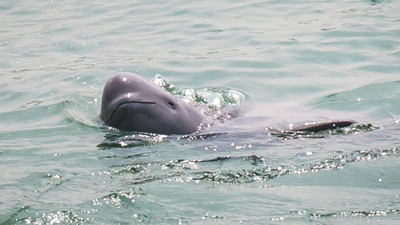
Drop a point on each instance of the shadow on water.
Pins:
(118, 139)
(259, 170)
(129, 140)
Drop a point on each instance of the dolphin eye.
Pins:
(171, 104)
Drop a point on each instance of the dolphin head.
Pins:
(132, 103)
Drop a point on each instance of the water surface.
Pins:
(295, 61)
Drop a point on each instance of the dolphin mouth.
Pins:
(139, 102)
(128, 102)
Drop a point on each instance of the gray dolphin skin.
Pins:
(132, 103)
(329, 125)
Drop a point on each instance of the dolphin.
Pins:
(132, 103)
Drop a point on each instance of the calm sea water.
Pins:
(294, 62)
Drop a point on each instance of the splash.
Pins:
(213, 98)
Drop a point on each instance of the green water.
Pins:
(295, 61)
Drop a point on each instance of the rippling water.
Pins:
(290, 61)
